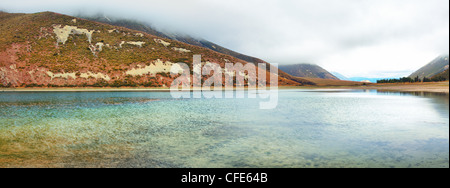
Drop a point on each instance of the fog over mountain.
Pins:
(370, 38)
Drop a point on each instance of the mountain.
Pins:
(340, 76)
(54, 50)
(443, 76)
(362, 79)
(331, 82)
(435, 67)
(147, 28)
(307, 71)
(358, 79)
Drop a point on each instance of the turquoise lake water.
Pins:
(308, 129)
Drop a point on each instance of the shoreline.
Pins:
(432, 87)
(80, 89)
(435, 87)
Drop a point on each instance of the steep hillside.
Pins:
(437, 66)
(308, 71)
(54, 50)
(444, 76)
(139, 26)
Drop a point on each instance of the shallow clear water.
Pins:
(309, 128)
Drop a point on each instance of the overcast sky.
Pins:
(370, 38)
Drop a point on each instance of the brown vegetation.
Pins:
(29, 51)
(330, 82)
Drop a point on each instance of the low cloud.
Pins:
(353, 37)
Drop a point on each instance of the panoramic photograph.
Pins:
(257, 84)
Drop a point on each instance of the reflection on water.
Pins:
(328, 128)
(439, 100)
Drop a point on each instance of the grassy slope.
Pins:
(331, 82)
(443, 75)
(36, 32)
(190, 40)
(22, 28)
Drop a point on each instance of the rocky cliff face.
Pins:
(54, 50)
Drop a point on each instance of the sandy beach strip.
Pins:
(435, 87)
(439, 87)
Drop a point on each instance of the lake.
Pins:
(308, 129)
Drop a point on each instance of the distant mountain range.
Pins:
(307, 71)
(356, 79)
(435, 67)
(340, 76)
(364, 79)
